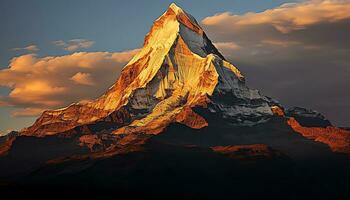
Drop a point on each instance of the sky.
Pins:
(54, 53)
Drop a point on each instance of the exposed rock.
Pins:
(191, 119)
(6, 142)
(308, 117)
(90, 141)
(336, 138)
(278, 111)
(313, 125)
(245, 152)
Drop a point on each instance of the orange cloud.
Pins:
(27, 112)
(288, 17)
(45, 83)
(83, 78)
(291, 31)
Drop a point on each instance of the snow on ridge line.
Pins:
(177, 68)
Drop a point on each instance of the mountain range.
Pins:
(179, 122)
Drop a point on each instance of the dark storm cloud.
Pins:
(297, 53)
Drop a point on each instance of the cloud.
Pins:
(297, 53)
(38, 83)
(288, 17)
(27, 112)
(83, 78)
(227, 45)
(280, 43)
(72, 45)
(28, 48)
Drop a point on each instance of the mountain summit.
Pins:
(177, 69)
(178, 123)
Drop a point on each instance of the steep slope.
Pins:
(177, 69)
(219, 138)
(314, 126)
(336, 138)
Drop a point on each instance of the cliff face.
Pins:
(177, 69)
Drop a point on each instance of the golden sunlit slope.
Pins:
(177, 69)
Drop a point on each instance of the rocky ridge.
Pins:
(177, 69)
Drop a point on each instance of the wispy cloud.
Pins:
(227, 45)
(27, 48)
(75, 44)
(280, 43)
(27, 112)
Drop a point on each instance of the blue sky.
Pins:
(115, 26)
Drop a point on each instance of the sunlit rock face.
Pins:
(336, 138)
(177, 69)
(278, 111)
(314, 126)
(248, 152)
(6, 142)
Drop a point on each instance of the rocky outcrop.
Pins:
(315, 126)
(248, 152)
(308, 117)
(6, 142)
(336, 138)
(278, 111)
(191, 119)
(90, 141)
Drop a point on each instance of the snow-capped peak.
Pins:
(178, 68)
(175, 8)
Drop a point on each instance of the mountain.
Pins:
(179, 113)
(177, 69)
